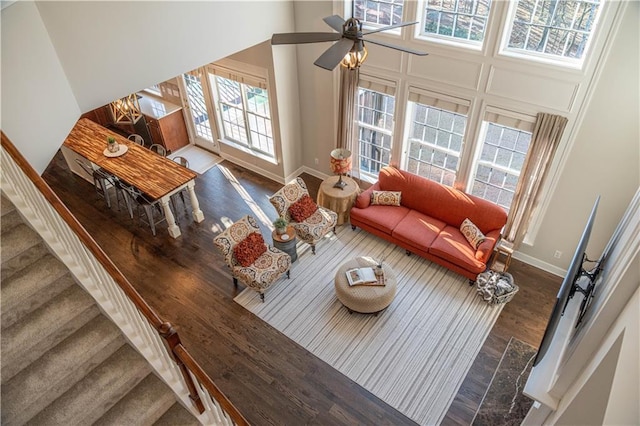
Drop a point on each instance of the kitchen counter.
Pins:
(165, 127)
(156, 107)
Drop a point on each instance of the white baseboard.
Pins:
(314, 172)
(252, 167)
(552, 269)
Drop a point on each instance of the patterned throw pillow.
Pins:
(472, 233)
(249, 249)
(386, 198)
(303, 208)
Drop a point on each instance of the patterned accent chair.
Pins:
(313, 228)
(269, 264)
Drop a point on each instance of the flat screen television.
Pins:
(569, 286)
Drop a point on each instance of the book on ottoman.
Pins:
(363, 276)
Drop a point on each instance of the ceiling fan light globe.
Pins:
(354, 59)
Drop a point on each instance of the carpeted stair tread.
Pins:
(143, 405)
(12, 265)
(177, 415)
(100, 390)
(26, 341)
(10, 220)
(18, 239)
(32, 287)
(6, 206)
(58, 370)
(63, 362)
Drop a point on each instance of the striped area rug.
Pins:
(414, 355)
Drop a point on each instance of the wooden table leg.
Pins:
(198, 216)
(173, 229)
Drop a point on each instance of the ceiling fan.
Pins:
(350, 39)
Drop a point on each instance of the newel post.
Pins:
(171, 338)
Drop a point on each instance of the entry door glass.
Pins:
(198, 107)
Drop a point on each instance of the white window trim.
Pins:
(505, 117)
(389, 88)
(447, 40)
(544, 58)
(396, 33)
(461, 103)
(197, 138)
(253, 76)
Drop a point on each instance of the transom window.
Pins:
(375, 130)
(456, 19)
(378, 12)
(244, 114)
(501, 159)
(554, 28)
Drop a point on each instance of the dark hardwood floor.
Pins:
(270, 378)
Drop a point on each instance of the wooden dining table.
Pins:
(154, 175)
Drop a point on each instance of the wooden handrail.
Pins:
(184, 360)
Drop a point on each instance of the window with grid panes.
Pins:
(460, 20)
(244, 114)
(553, 28)
(198, 107)
(378, 12)
(375, 129)
(502, 154)
(435, 140)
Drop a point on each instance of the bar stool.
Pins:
(158, 149)
(102, 180)
(136, 138)
(149, 211)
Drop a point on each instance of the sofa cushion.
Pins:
(418, 230)
(472, 234)
(302, 209)
(383, 218)
(453, 247)
(248, 250)
(386, 198)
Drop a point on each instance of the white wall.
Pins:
(60, 59)
(604, 158)
(111, 49)
(38, 105)
(318, 101)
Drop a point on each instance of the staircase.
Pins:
(63, 361)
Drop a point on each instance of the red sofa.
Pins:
(428, 220)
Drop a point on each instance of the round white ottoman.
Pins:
(365, 299)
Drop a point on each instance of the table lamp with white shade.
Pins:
(341, 165)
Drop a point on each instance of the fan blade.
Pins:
(335, 22)
(390, 27)
(393, 46)
(296, 38)
(333, 55)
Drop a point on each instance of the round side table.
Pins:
(286, 242)
(336, 199)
